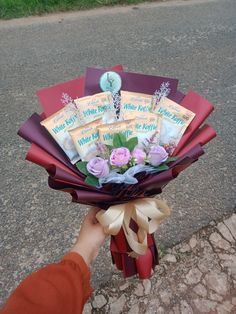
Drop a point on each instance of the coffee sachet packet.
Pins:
(107, 131)
(147, 126)
(134, 102)
(175, 120)
(97, 106)
(85, 138)
(58, 126)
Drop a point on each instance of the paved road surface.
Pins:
(193, 41)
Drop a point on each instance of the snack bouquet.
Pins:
(114, 139)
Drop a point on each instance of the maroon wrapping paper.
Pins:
(133, 82)
(64, 176)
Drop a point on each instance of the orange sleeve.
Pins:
(60, 288)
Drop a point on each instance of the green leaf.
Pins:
(170, 159)
(119, 140)
(81, 165)
(122, 138)
(91, 180)
(162, 167)
(132, 142)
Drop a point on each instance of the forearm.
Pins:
(58, 288)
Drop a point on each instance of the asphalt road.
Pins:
(193, 41)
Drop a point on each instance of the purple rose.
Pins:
(120, 156)
(157, 155)
(139, 155)
(98, 167)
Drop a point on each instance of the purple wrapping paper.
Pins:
(134, 82)
(61, 175)
(177, 97)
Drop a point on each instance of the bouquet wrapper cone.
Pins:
(63, 176)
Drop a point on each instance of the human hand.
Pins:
(90, 238)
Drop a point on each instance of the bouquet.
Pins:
(114, 139)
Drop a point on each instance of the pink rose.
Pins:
(139, 155)
(120, 157)
(157, 155)
(98, 167)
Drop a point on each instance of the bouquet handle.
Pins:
(131, 226)
(141, 265)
